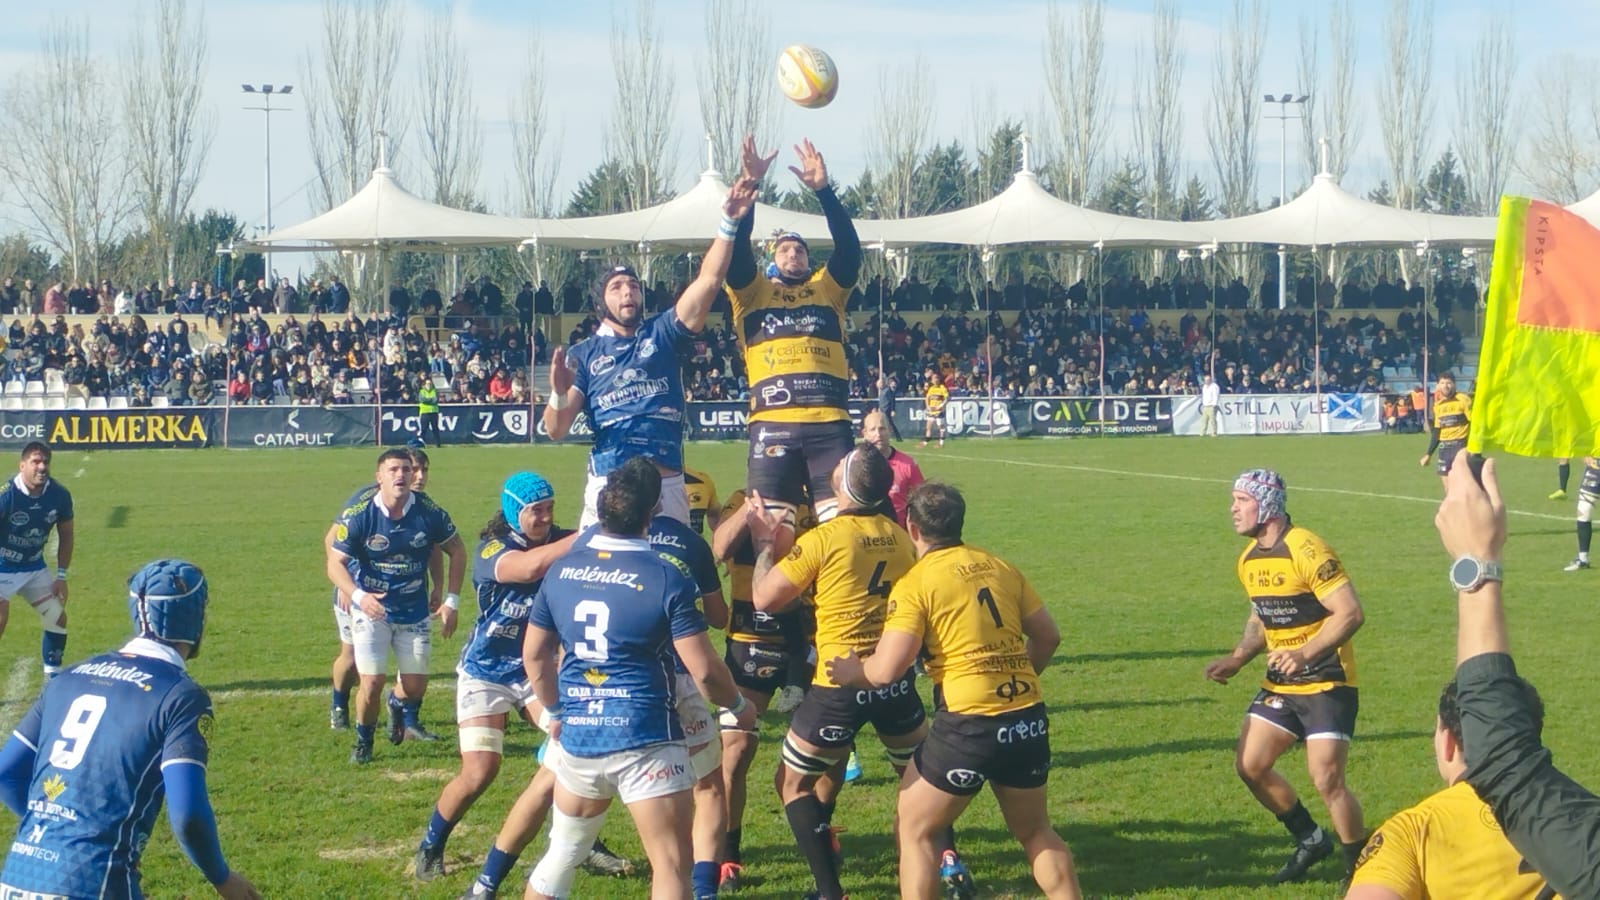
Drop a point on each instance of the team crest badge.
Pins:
(647, 348)
(490, 549)
(53, 787)
(205, 725)
(596, 677)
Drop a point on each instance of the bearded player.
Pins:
(791, 329)
(1303, 612)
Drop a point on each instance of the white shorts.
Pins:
(373, 639)
(341, 619)
(32, 586)
(700, 732)
(476, 698)
(640, 774)
(674, 499)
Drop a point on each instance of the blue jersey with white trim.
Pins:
(361, 495)
(27, 521)
(493, 651)
(617, 605)
(684, 544)
(102, 731)
(390, 556)
(633, 392)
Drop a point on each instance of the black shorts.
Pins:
(758, 667)
(1447, 455)
(962, 752)
(1329, 714)
(786, 456)
(831, 716)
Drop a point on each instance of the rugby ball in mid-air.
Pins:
(807, 76)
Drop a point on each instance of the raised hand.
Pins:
(812, 171)
(741, 197)
(561, 377)
(754, 164)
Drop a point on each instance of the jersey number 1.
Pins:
(986, 597)
(77, 728)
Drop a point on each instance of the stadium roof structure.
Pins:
(384, 215)
(1027, 214)
(686, 222)
(1326, 215)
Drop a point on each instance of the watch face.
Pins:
(1464, 572)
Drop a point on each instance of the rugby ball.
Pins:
(807, 76)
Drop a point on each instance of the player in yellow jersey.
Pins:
(1303, 612)
(934, 398)
(1451, 420)
(984, 637)
(761, 652)
(1449, 845)
(851, 561)
(704, 509)
(790, 328)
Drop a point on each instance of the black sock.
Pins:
(947, 841)
(1585, 532)
(730, 845)
(1352, 852)
(1563, 472)
(827, 810)
(811, 835)
(1299, 823)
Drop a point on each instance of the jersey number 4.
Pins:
(77, 729)
(594, 616)
(878, 586)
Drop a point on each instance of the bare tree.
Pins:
(535, 166)
(162, 108)
(1336, 99)
(452, 143)
(1235, 107)
(1074, 78)
(640, 134)
(900, 136)
(1157, 110)
(1404, 111)
(737, 91)
(1310, 71)
(65, 167)
(1564, 135)
(1487, 119)
(351, 93)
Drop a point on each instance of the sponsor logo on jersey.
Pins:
(596, 677)
(490, 549)
(19, 518)
(419, 540)
(377, 543)
(341, 533)
(51, 516)
(115, 672)
(205, 725)
(602, 364)
(599, 575)
(53, 787)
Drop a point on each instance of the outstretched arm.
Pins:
(695, 303)
(742, 264)
(845, 263)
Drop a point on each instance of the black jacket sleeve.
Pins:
(742, 267)
(845, 263)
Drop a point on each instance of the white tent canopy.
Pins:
(1588, 207)
(385, 215)
(686, 222)
(1026, 213)
(1326, 215)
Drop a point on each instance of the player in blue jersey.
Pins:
(700, 732)
(89, 765)
(514, 551)
(628, 377)
(31, 504)
(616, 610)
(344, 664)
(379, 559)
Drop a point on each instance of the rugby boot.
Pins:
(361, 753)
(397, 722)
(957, 880)
(1304, 857)
(1576, 565)
(601, 861)
(338, 718)
(429, 863)
(418, 733)
(730, 877)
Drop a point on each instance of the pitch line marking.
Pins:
(1434, 501)
(16, 692)
(447, 684)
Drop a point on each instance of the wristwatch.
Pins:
(1468, 573)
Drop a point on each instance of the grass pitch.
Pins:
(1127, 539)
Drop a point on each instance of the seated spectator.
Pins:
(176, 387)
(139, 397)
(260, 388)
(499, 386)
(301, 390)
(201, 391)
(239, 388)
(339, 391)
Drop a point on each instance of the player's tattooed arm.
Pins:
(1251, 643)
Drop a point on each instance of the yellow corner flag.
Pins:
(1537, 392)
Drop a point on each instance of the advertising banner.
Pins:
(113, 429)
(1063, 416)
(300, 426)
(475, 424)
(1282, 414)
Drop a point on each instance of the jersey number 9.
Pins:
(77, 728)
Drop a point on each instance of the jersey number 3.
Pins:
(77, 729)
(594, 616)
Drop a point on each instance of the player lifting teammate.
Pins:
(984, 636)
(1451, 420)
(791, 329)
(628, 376)
(1588, 496)
(31, 504)
(1303, 613)
(87, 769)
(515, 550)
(617, 610)
(852, 561)
(379, 559)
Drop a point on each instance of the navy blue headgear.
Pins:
(605, 279)
(167, 602)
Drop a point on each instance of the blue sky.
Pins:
(970, 55)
